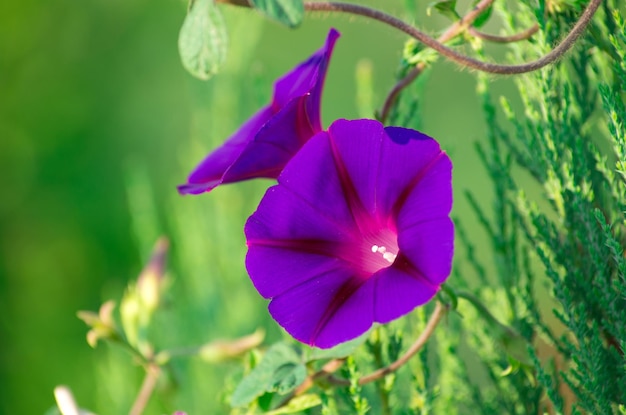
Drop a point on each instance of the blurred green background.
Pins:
(98, 124)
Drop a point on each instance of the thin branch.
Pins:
(451, 54)
(454, 30)
(147, 387)
(438, 45)
(526, 34)
(333, 365)
(435, 318)
(328, 369)
(455, 56)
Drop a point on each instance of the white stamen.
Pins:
(386, 255)
(389, 257)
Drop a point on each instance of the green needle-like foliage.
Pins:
(574, 224)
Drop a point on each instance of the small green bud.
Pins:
(102, 324)
(142, 298)
(221, 350)
(151, 280)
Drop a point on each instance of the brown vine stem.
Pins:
(454, 30)
(463, 60)
(435, 318)
(147, 387)
(526, 34)
(455, 56)
(333, 365)
(451, 54)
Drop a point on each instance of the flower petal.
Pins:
(429, 195)
(209, 172)
(277, 269)
(356, 149)
(265, 143)
(332, 308)
(273, 146)
(381, 165)
(404, 164)
(307, 78)
(429, 247)
(312, 175)
(398, 291)
(286, 214)
(290, 240)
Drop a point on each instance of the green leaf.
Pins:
(288, 12)
(202, 41)
(287, 377)
(281, 370)
(445, 7)
(483, 17)
(298, 404)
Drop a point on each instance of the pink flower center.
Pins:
(378, 251)
(386, 254)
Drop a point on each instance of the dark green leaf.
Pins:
(287, 377)
(483, 17)
(280, 370)
(445, 7)
(202, 42)
(288, 12)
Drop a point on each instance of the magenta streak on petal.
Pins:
(364, 229)
(413, 183)
(317, 247)
(344, 293)
(406, 265)
(305, 127)
(342, 227)
(402, 263)
(359, 214)
(330, 249)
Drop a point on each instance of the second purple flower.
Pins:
(266, 142)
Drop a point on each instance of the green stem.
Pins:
(480, 307)
(376, 349)
(435, 318)
(147, 387)
(526, 34)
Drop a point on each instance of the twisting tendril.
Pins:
(438, 44)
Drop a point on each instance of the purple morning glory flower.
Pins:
(356, 231)
(266, 142)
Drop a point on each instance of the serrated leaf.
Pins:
(445, 7)
(279, 370)
(288, 12)
(298, 404)
(287, 377)
(202, 42)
